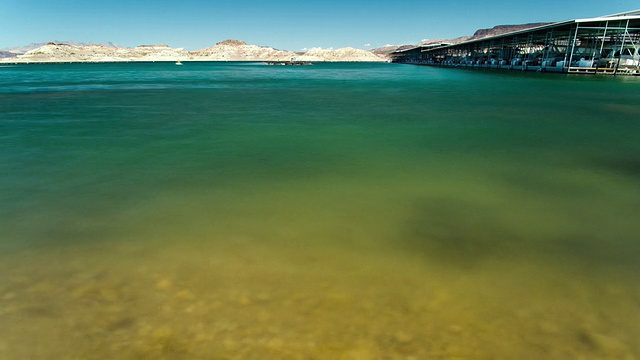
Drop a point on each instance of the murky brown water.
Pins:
(385, 268)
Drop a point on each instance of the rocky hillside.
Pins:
(228, 50)
(388, 49)
(237, 50)
(53, 52)
(503, 29)
(7, 54)
(20, 50)
(344, 54)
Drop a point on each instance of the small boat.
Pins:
(178, 62)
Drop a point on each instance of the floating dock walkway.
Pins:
(608, 45)
(287, 63)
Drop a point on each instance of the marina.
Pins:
(601, 45)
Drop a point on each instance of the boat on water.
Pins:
(178, 62)
(621, 57)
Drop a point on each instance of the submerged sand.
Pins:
(304, 289)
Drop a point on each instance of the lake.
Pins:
(343, 211)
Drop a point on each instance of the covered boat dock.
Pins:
(603, 45)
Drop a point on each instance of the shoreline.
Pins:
(228, 50)
(170, 61)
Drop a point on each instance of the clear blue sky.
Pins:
(283, 24)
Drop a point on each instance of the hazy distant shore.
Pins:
(229, 50)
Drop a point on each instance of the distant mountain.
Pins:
(343, 54)
(108, 44)
(56, 52)
(18, 50)
(238, 50)
(231, 42)
(22, 49)
(388, 49)
(503, 29)
(228, 50)
(7, 54)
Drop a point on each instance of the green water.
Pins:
(342, 211)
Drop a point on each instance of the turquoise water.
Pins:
(236, 210)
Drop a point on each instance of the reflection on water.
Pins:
(340, 223)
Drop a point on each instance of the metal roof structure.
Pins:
(604, 44)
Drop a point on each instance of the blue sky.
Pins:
(283, 24)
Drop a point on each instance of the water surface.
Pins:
(235, 210)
